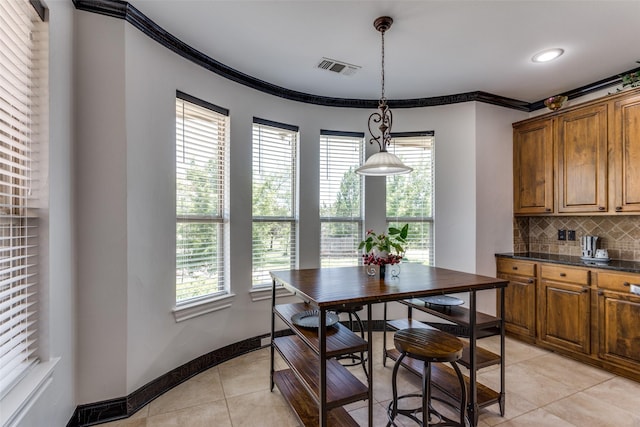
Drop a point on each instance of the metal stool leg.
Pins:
(355, 360)
(393, 406)
(463, 393)
(426, 393)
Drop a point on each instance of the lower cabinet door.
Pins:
(619, 328)
(520, 305)
(563, 315)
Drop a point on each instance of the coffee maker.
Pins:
(589, 246)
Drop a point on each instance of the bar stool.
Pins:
(356, 359)
(428, 346)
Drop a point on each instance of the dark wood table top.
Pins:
(346, 286)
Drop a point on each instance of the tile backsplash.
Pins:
(620, 235)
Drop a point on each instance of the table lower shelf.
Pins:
(304, 405)
(455, 314)
(340, 340)
(443, 377)
(342, 386)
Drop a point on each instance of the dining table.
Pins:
(333, 289)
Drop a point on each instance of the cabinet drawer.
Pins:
(512, 266)
(563, 273)
(617, 281)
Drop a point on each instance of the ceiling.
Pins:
(434, 48)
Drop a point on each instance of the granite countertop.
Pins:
(614, 264)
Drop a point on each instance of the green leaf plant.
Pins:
(384, 248)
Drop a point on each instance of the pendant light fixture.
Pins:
(382, 163)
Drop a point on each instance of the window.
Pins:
(410, 196)
(274, 199)
(201, 198)
(341, 198)
(23, 99)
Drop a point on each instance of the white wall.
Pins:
(55, 406)
(494, 190)
(494, 184)
(127, 335)
(101, 185)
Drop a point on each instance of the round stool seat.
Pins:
(428, 345)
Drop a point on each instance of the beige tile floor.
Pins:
(543, 389)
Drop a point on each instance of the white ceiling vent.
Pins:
(338, 66)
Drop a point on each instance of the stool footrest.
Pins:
(445, 380)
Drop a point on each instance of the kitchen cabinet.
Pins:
(588, 313)
(582, 159)
(519, 297)
(533, 167)
(626, 154)
(618, 319)
(564, 307)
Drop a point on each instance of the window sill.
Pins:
(24, 395)
(264, 293)
(203, 306)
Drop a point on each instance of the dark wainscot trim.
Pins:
(123, 407)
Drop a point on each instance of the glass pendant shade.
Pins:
(383, 164)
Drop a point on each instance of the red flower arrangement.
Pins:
(371, 259)
(379, 247)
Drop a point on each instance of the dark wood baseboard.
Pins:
(123, 407)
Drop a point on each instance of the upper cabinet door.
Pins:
(626, 154)
(582, 160)
(533, 167)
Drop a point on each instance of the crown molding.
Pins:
(124, 10)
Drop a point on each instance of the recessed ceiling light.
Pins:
(547, 55)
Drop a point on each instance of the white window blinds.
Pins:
(201, 194)
(341, 197)
(274, 199)
(23, 71)
(410, 197)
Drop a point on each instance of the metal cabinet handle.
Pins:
(547, 210)
(626, 284)
(601, 208)
(618, 208)
(563, 274)
(530, 281)
(515, 267)
(600, 293)
(585, 290)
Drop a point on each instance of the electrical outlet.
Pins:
(571, 235)
(562, 234)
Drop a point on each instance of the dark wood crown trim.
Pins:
(124, 10)
(587, 89)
